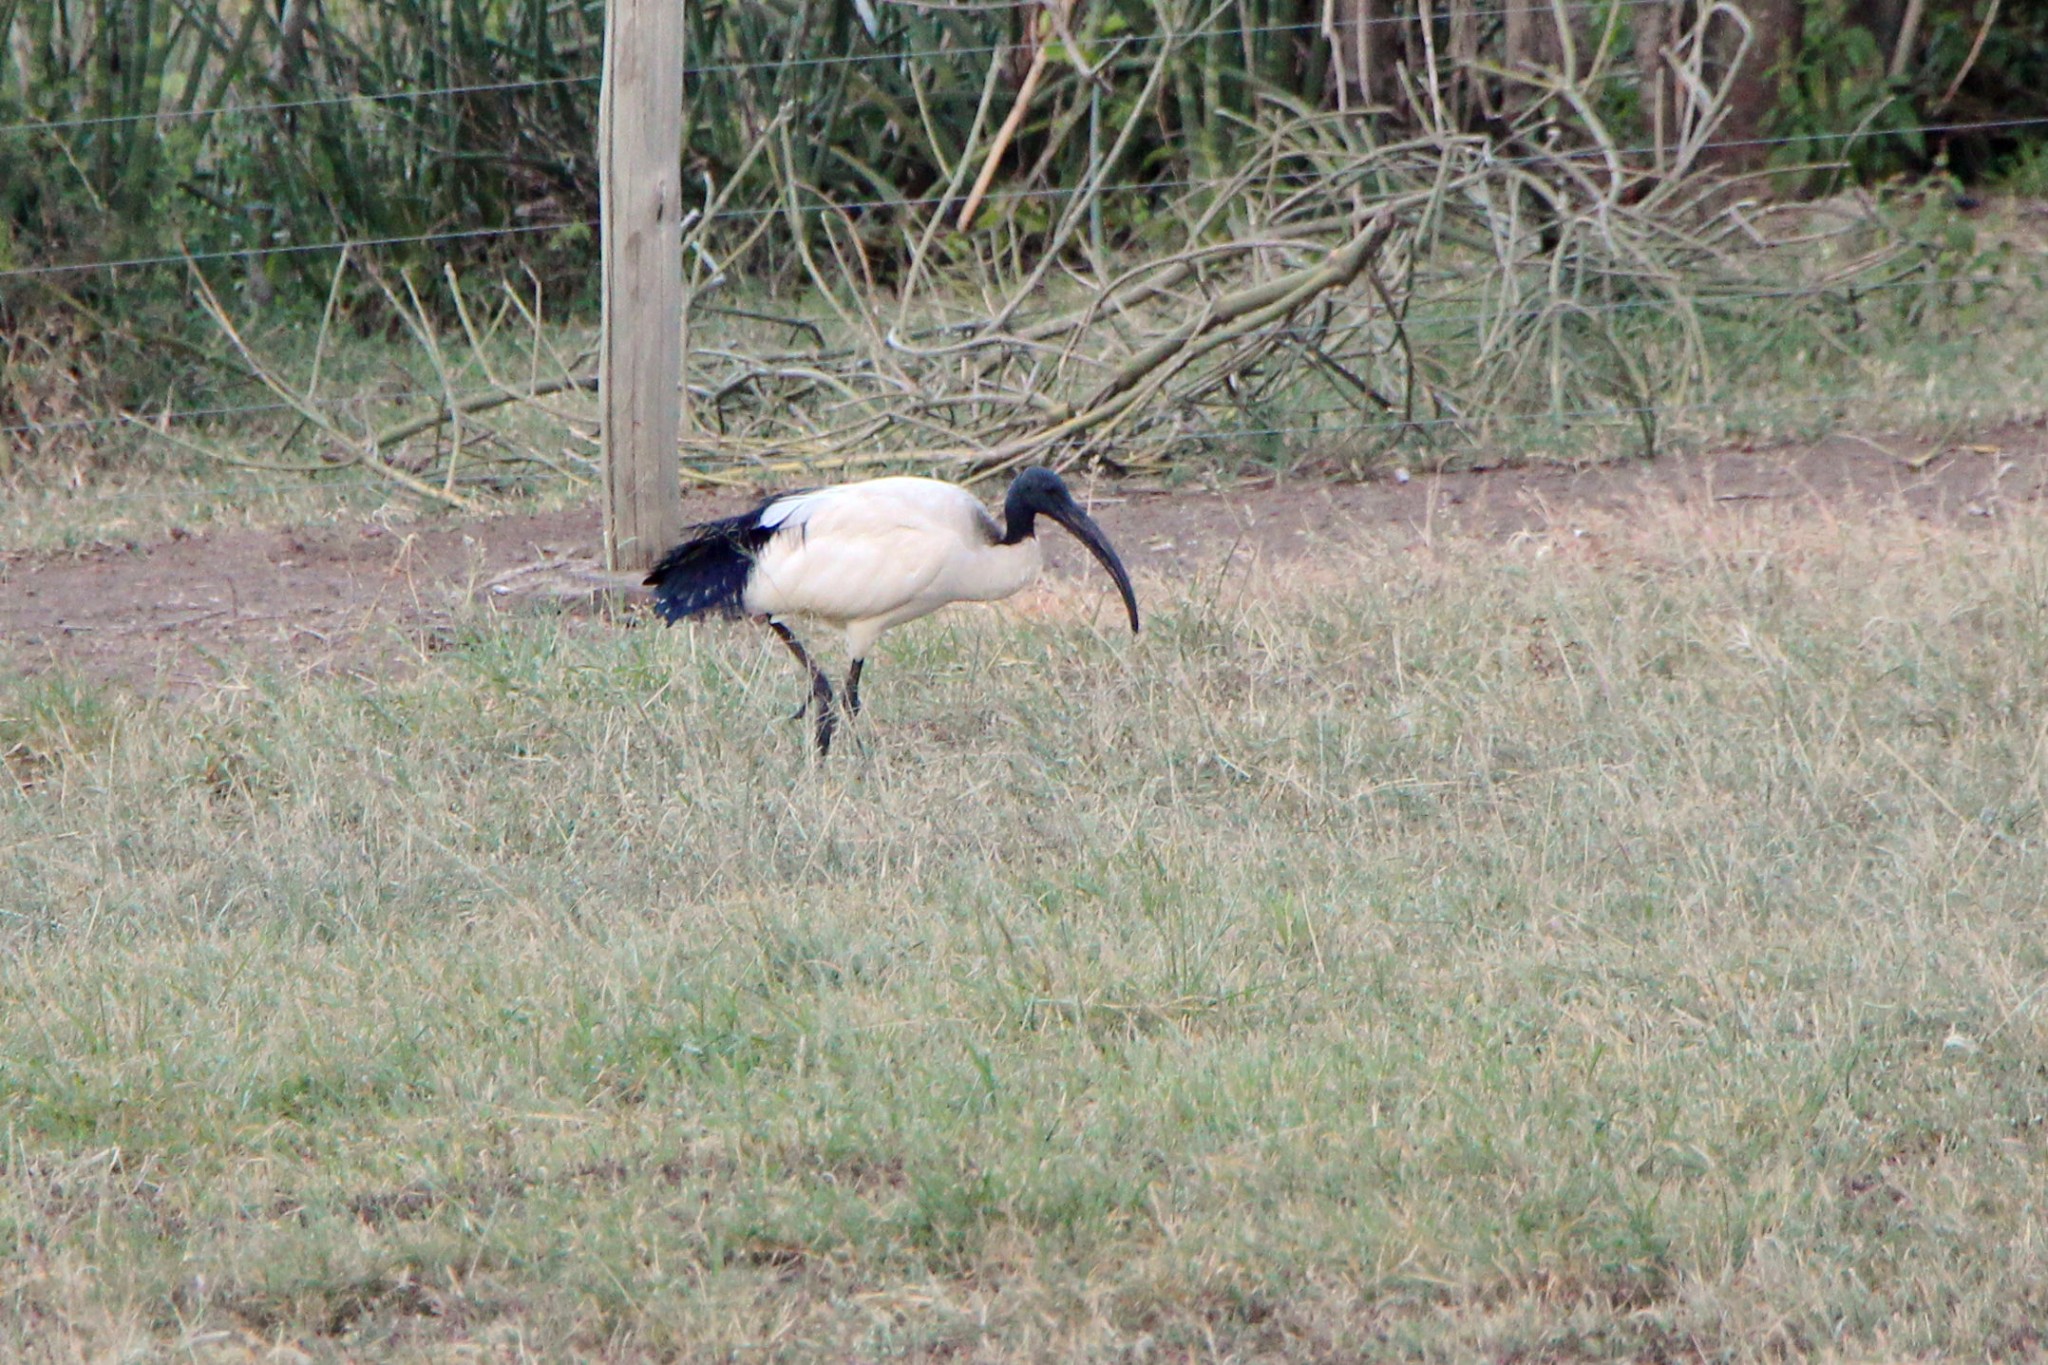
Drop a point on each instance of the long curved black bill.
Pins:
(1088, 533)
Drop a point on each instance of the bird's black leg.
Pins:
(853, 688)
(821, 686)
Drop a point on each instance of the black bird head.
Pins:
(1039, 490)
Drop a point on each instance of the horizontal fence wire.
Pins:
(719, 68)
(148, 420)
(352, 473)
(185, 416)
(274, 107)
(292, 249)
(1592, 157)
(1413, 319)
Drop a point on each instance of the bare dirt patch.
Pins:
(194, 610)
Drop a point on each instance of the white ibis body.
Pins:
(868, 556)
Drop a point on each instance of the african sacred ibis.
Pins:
(868, 556)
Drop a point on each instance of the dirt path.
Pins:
(197, 610)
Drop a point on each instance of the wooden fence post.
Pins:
(640, 363)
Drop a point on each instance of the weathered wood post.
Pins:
(640, 364)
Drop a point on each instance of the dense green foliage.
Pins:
(132, 126)
(128, 127)
(1983, 120)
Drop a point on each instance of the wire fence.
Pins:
(915, 203)
(166, 417)
(704, 69)
(373, 397)
(1842, 399)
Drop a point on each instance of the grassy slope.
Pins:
(1611, 948)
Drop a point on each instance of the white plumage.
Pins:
(868, 556)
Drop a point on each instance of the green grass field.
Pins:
(1627, 947)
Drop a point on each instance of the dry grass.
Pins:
(1610, 946)
(1960, 347)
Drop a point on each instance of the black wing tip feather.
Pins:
(708, 572)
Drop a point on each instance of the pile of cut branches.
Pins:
(1338, 292)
